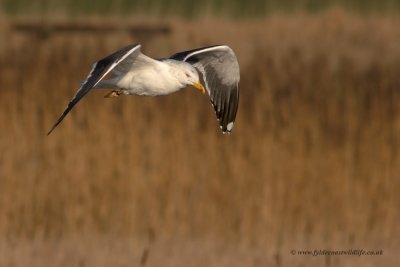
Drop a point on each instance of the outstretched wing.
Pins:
(99, 70)
(220, 70)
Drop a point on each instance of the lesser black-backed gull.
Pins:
(213, 69)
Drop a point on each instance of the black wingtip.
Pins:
(66, 111)
(54, 126)
(49, 132)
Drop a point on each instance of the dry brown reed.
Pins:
(312, 163)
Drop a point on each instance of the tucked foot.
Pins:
(113, 93)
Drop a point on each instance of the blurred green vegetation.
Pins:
(189, 8)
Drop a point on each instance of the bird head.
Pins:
(191, 77)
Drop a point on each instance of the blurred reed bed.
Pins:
(190, 9)
(313, 160)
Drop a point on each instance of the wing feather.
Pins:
(220, 69)
(99, 70)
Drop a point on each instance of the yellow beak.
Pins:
(199, 87)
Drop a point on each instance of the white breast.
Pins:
(150, 79)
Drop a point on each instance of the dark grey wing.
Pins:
(220, 72)
(99, 70)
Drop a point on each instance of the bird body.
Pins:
(161, 78)
(212, 69)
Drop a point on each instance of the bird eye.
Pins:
(187, 75)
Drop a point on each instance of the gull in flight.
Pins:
(213, 69)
